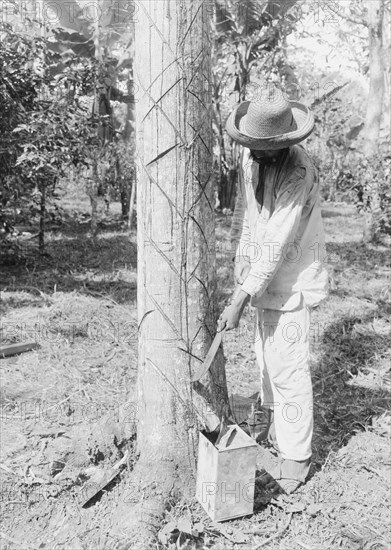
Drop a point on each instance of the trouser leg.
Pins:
(282, 349)
(266, 392)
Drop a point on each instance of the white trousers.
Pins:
(282, 351)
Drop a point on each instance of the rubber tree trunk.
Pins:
(374, 111)
(176, 247)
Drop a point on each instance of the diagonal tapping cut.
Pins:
(176, 237)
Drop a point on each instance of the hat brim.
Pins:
(304, 122)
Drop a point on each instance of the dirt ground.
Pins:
(68, 407)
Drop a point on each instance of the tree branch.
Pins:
(347, 17)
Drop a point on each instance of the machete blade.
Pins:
(205, 366)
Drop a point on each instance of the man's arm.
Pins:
(240, 234)
(240, 230)
(280, 231)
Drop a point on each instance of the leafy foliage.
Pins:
(374, 192)
(19, 88)
(56, 95)
(44, 128)
(182, 528)
(248, 49)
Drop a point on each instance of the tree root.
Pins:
(150, 491)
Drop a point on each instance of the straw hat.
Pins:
(270, 122)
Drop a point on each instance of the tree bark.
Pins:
(131, 204)
(92, 191)
(176, 253)
(42, 214)
(374, 111)
(125, 197)
(376, 76)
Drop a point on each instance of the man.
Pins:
(278, 242)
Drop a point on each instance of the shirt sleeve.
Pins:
(240, 229)
(280, 232)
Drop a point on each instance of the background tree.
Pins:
(375, 22)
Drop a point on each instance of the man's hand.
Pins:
(241, 269)
(230, 317)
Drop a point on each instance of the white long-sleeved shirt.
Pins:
(283, 237)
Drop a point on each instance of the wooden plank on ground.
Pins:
(13, 349)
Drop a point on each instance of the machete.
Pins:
(205, 366)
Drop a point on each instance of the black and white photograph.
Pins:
(195, 245)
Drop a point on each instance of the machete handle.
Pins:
(235, 294)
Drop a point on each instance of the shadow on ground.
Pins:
(104, 267)
(349, 383)
(326, 213)
(351, 376)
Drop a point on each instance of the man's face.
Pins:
(264, 154)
